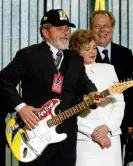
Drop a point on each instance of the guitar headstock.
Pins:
(120, 86)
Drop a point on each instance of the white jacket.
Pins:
(111, 111)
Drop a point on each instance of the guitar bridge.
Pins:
(26, 139)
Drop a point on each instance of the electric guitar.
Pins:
(27, 145)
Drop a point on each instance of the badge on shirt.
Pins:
(57, 83)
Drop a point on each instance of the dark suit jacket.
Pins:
(122, 60)
(35, 68)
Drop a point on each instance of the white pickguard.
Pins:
(39, 139)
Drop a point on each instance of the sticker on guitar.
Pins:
(46, 109)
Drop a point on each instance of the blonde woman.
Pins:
(98, 142)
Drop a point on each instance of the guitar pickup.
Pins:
(25, 137)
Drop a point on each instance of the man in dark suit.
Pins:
(102, 24)
(41, 76)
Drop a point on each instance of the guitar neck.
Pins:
(74, 110)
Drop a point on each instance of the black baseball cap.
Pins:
(56, 17)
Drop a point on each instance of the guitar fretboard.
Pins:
(74, 110)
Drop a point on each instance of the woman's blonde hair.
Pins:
(79, 38)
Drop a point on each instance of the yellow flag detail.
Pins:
(99, 4)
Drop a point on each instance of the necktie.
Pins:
(106, 58)
(58, 59)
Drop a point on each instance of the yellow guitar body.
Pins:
(14, 138)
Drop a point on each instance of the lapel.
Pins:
(65, 62)
(98, 74)
(47, 62)
(47, 57)
(94, 74)
(98, 58)
(91, 71)
(114, 54)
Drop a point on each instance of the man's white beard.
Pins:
(61, 44)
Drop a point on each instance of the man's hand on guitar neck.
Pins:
(28, 115)
(96, 97)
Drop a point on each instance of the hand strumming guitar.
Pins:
(28, 115)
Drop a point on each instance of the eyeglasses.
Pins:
(105, 26)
